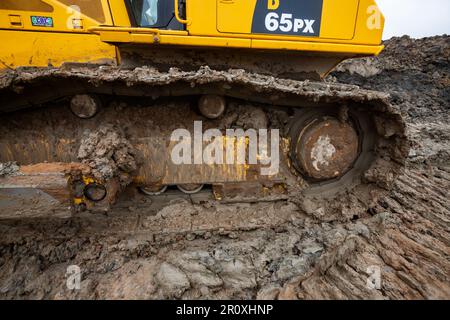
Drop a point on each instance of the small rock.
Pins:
(204, 291)
(314, 248)
(233, 235)
(382, 217)
(313, 208)
(268, 293)
(361, 229)
(190, 237)
(207, 235)
(172, 280)
(238, 275)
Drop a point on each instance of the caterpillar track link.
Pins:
(95, 133)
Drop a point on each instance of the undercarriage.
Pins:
(85, 135)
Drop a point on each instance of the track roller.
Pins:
(153, 190)
(190, 188)
(85, 106)
(212, 106)
(95, 192)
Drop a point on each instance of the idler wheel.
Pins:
(326, 148)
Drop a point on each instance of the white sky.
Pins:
(416, 18)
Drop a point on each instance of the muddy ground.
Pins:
(184, 248)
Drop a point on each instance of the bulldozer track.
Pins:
(373, 174)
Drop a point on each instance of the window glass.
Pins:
(145, 11)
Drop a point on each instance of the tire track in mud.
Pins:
(412, 250)
(406, 237)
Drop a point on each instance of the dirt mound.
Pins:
(416, 73)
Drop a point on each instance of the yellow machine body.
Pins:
(50, 32)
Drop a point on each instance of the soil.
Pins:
(181, 247)
(108, 154)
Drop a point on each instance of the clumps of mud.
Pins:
(419, 86)
(418, 82)
(109, 154)
(8, 168)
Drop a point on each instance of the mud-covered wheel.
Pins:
(85, 106)
(190, 188)
(212, 106)
(95, 192)
(153, 190)
(331, 147)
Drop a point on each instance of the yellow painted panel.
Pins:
(23, 48)
(92, 8)
(339, 34)
(205, 41)
(342, 49)
(202, 14)
(235, 15)
(114, 36)
(338, 22)
(64, 18)
(119, 13)
(171, 38)
(25, 5)
(339, 19)
(370, 23)
(347, 50)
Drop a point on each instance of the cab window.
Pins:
(156, 14)
(145, 12)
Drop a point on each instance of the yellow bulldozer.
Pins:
(103, 98)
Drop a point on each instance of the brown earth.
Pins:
(187, 248)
